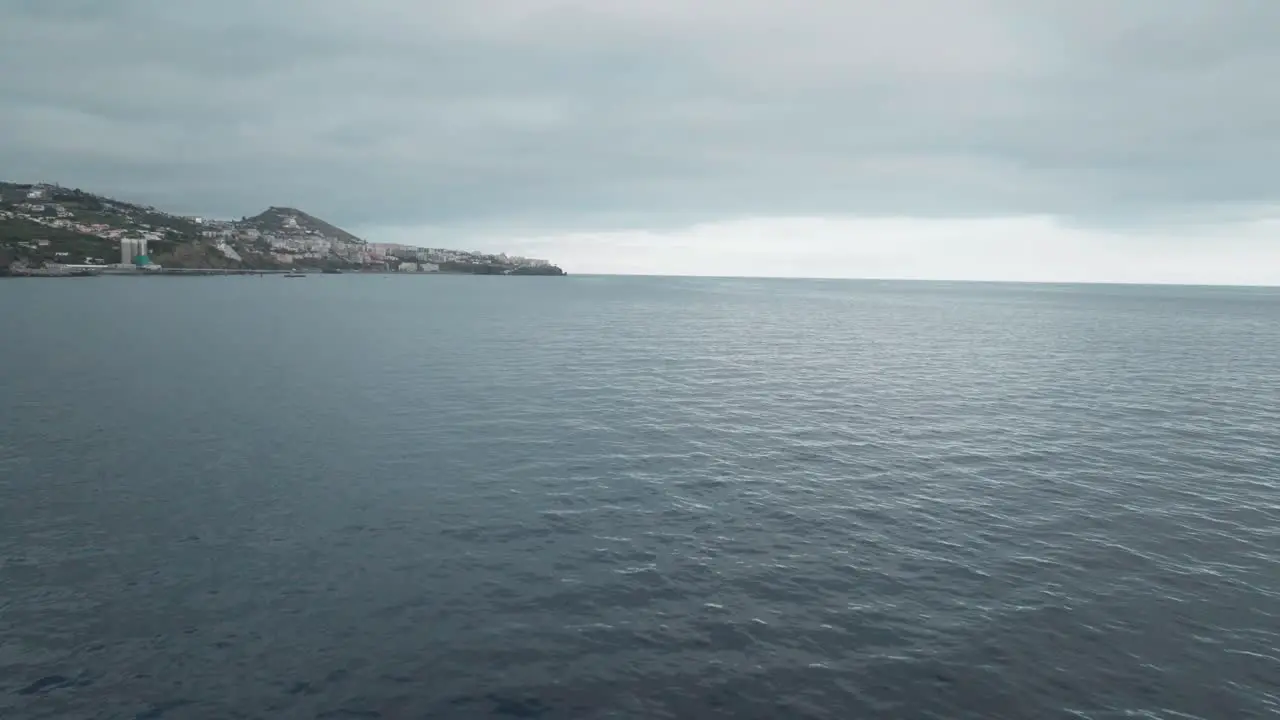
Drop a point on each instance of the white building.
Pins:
(228, 251)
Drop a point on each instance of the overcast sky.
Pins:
(1131, 140)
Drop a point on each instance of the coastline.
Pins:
(215, 272)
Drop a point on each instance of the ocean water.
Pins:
(467, 497)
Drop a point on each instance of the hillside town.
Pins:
(293, 243)
(75, 228)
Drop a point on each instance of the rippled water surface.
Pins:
(463, 497)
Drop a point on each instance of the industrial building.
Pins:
(133, 251)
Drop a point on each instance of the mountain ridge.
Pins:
(49, 223)
(277, 217)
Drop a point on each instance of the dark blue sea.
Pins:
(353, 497)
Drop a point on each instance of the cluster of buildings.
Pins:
(133, 244)
(292, 242)
(287, 245)
(56, 216)
(408, 255)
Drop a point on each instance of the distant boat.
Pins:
(294, 273)
(331, 271)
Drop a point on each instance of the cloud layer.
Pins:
(656, 114)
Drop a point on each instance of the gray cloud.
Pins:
(563, 113)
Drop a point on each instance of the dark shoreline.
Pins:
(214, 272)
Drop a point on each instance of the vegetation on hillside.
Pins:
(91, 209)
(14, 232)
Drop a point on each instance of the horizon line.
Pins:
(1119, 283)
